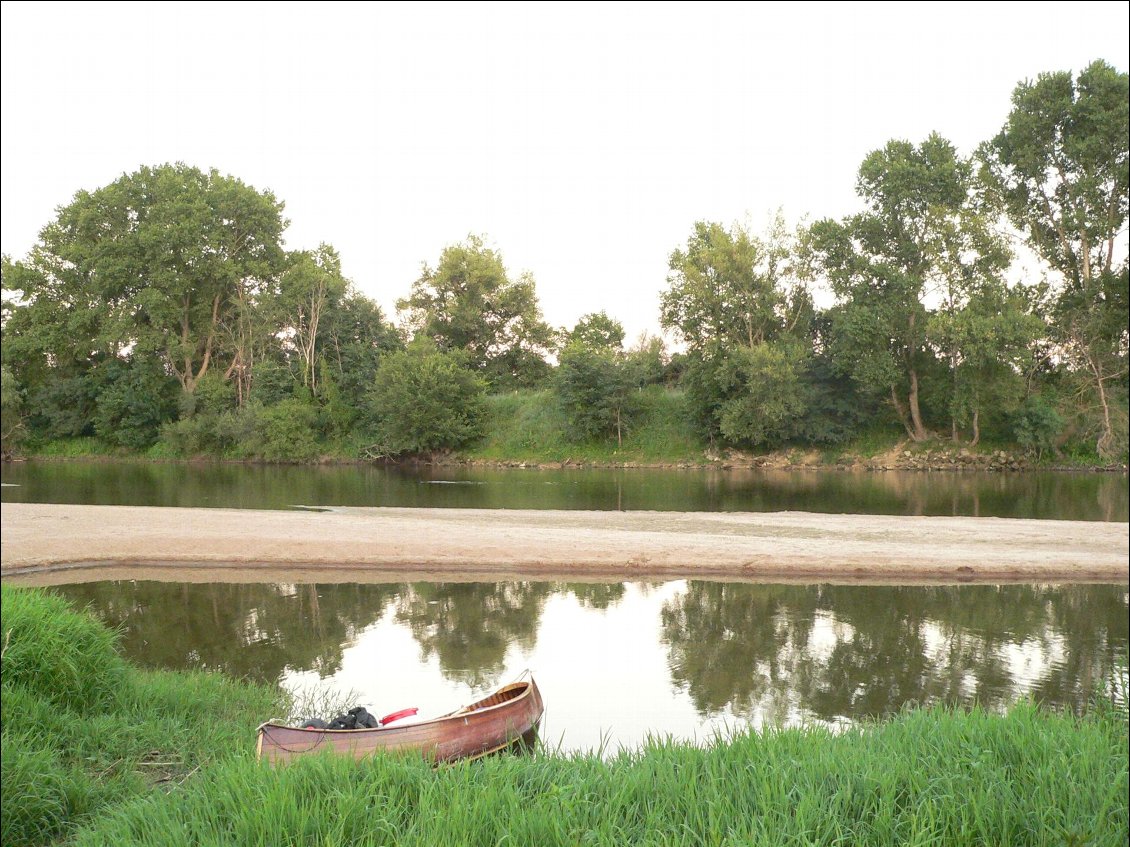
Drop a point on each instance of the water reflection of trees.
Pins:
(849, 652)
(469, 626)
(245, 630)
(258, 630)
(777, 651)
(1028, 495)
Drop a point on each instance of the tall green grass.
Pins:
(929, 777)
(529, 426)
(82, 729)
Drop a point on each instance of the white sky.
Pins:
(583, 141)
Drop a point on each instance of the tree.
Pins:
(11, 412)
(597, 331)
(1061, 166)
(729, 287)
(596, 390)
(922, 236)
(154, 263)
(356, 338)
(767, 398)
(469, 303)
(730, 293)
(425, 399)
(989, 338)
(310, 287)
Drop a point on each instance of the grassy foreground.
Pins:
(82, 732)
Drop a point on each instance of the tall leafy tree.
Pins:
(1061, 165)
(469, 302)
(735, 300)
(311, 287)
(729, 287)
(11, 412)
(921, 238)
(598, 331)
(153, 263)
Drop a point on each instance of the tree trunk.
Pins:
(901, 412)
(976, 428)
(1106, 437)
(919, 433)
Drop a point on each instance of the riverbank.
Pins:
(407, 544)
(895, 456)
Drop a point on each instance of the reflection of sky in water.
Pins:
(602, 678)
(607, 677)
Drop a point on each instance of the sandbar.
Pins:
(51, 543)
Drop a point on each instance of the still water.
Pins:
(617, 662)
(1059, 496)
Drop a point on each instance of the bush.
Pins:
(133, 403)
(286, 432)
(425, 400)
(1036, 425)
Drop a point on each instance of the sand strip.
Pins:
(394, 544)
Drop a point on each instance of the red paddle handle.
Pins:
(395, 716)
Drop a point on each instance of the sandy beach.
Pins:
(45, 543)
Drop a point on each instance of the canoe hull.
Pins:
(507, 717)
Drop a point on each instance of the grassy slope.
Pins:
(530, 427)
(83, 730)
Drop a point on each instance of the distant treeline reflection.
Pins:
(828, 651)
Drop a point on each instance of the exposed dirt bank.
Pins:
(386, 544)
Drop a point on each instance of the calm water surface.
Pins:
(1065, 496)
(617, 662)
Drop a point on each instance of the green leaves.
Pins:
(424, 400)
(469, 303)
(1061, 166)
(728, 287)
(596, 388)
(923, 248)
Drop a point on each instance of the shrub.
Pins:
(425, 400)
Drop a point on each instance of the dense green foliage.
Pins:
(82, 729)
(161, 314)
(1061, 169)
(469, 303)
(425, 400)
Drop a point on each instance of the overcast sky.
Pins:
(583, 141)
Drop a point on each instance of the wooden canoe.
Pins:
(508, 716)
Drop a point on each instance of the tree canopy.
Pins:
(469, 302)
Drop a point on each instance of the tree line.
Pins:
(163, 309)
